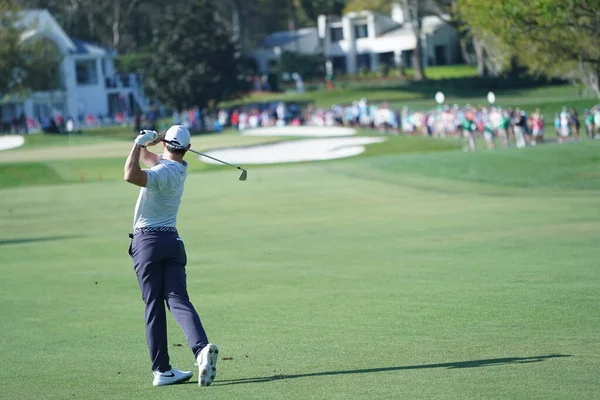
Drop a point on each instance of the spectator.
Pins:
(23, 123)
(589, 123)
(520, 127)
(565, 125)
(575, 124)
(537, 127)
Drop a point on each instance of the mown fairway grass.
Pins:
(421, 276)
(104, 161)
(421, 95)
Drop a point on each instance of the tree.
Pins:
(552, 37)
(9, 46)
(380, 6)
(313, 8)
(250, 21)
(195, 61)
(25, 63)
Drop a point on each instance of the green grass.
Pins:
(572, 166)
(39, 140)
(442, 276)
(421, 95)
(548, 165)
(85, 169)
(26, 174)
(447, 72)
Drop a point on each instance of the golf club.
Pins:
(243, 175)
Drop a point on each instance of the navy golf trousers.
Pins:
(159, 261)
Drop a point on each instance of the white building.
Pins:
(89, 84)
(365, 40)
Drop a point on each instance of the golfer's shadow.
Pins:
(451, 365)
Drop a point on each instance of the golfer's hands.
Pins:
(146, 137)
(158, 139)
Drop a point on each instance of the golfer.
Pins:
(159, 256)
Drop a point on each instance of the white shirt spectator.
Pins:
(383, 116)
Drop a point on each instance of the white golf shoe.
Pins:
(171, 377)
(207, 364)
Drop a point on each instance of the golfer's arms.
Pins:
(133, 173)
(149, 158)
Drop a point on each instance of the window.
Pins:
(339, 64)
(87, 73)
(361, 31)
(387, 59)
(337, 34)
(363, 62)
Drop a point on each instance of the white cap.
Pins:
(178, 134)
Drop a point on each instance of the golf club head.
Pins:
(244, 175)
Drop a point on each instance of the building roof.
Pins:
(40, 22)
(430, 24)
(284, 37)
(83, 47)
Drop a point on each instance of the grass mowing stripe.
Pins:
(574, 166)
(98, 169)
(24, 174)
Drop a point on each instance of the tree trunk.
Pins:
(238, 33)
(596, 88)
(482, 69)
(418, 59)
(415, 16)
(590, 76)
(464, 53)
(116, 25)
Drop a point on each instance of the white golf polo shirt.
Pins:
(158, 202)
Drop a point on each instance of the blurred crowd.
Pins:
(505, 125)
(496, 125)
(255, 116)
(60, 124)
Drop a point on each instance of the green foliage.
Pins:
(308, 66)
(9, 47)
(39, 64)
(132, 62)
(381, 6)
(314, 8)
(30, 64)
(195, 62)
(554, 37)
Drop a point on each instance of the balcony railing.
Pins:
(119, 81)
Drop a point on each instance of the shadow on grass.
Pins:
(6, 242)
(451, 365)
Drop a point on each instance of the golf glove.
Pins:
(145, 137)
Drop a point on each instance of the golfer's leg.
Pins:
(150, 273)
(176, 295)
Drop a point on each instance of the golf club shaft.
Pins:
(216, 159)
(204, 155)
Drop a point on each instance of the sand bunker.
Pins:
(294, 151)
(11, 142)
(312, 131)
